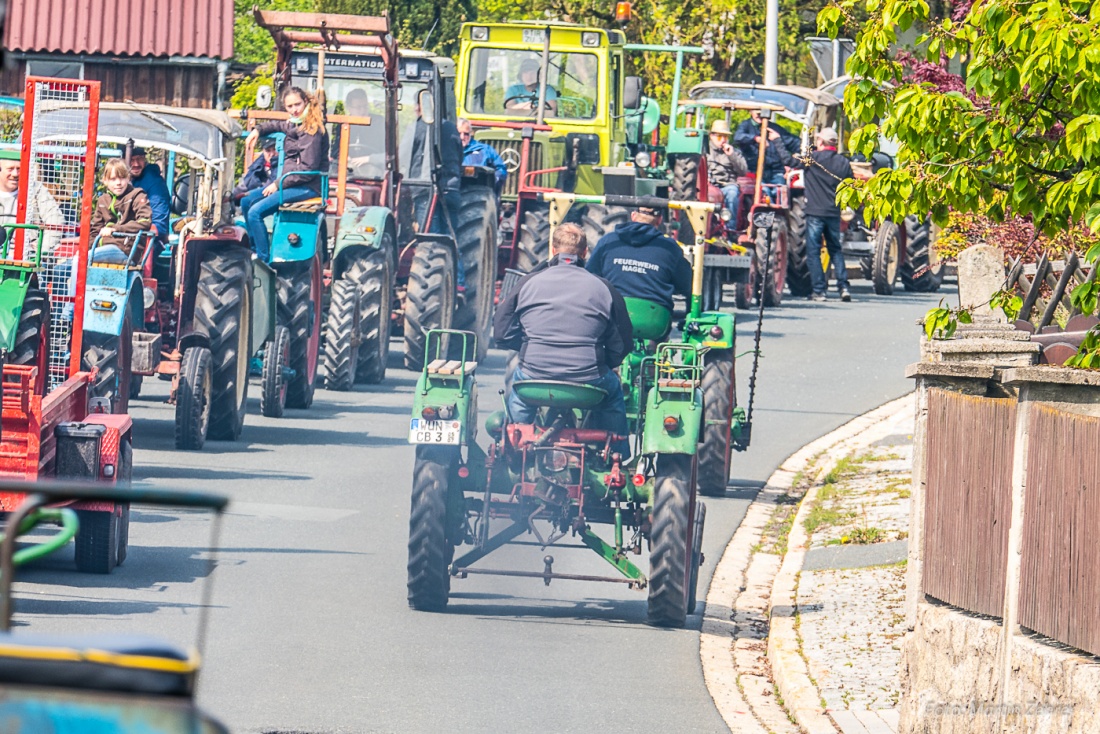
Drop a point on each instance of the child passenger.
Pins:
(123, 210)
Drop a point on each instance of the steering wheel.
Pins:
(533, 99)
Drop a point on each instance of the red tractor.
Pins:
(51, 425)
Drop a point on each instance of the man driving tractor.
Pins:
(524, 94)
(568, 325)
(778, 156)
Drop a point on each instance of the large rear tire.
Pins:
(272, 376)
(32, 337)
(194, 393)
(299, 291)
(670, 540)
(685, 178)
(922, 270)
(97, 541)
(374, 274)
(798, 264)
(430, 551)
(477, 246)
(340, 357)
(109, 355)
(430, 300)
(772, 290)
(223, 311)
(884, 264)
(533, 246)
(599, 220)
(716, 443)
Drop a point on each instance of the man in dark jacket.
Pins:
(641, 262)
(149, 179)
(826, 169)
(782, 145)
(568, 325)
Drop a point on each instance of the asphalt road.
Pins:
(309, 628)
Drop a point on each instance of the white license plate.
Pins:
(444, 432)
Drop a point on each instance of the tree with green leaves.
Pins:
(431, 24)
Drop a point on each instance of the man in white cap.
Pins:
(826, 169)
(724, 164)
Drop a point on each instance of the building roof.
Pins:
(121, 27)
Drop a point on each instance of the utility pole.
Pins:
(771, 43)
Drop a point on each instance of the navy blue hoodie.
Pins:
(642, 263)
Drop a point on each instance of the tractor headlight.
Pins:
(590, 39)
(725, 214)
(642, 160)
(553, 461)
(149, 298)
(479, 33)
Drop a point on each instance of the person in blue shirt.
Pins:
(261, 172)
(524, 94)
(147, 177)
(477, 153)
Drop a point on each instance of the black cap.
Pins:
(267, 143)
(137, 150)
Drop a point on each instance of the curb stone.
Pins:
(749, 645)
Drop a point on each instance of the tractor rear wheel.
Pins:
(534, 237)
(110, 354)
(135, 386)
(922, 270)
(669, 540)
(772, 291)
(798, 263)
(712, 289)
(340, 357)
(223, 311)
(685, 178)
(430, 552)
(272, 374)
(716, 442)
(194, 393)
(430, 299)
(32, 337)
(744, 292)
(97, 541)
(374, 274)
(599, 220)
(125, 476)
(696, 554)
(476, 229)
(299, 293)
(884, 264)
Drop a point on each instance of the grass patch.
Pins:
(866, 536)
(819, 516)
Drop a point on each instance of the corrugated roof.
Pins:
(122, 27)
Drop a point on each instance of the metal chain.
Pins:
(759, 326)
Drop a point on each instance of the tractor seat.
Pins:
(651, 321)
(558, 394)
(316, 204)
(121, 663)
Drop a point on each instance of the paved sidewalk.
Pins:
(851, 589)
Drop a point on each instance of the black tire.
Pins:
(32, 335)
(716, 442)
(533, 246)
(135, 386)
(430, 299)
(223, 311)
(476, 230)
(669, 540)
(867, 268)
(374, 274)
(777, 269)
(744, 292)
(798, 263)
(340, 357)
(430, 552)
(696, 554)
(884, 264)
(272, 380)
(194, 394)
(110, 354)
(599, 220)
(125, 479)
(921, 271)
(96, 541)
(299, 311)
(712, 290)
(685, 178)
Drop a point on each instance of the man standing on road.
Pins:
(640, 262)
(777, 156)
(477, 153)
(568, 325)
(148, 178)
(724, 165)
(826, 169)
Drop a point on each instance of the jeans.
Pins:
(256, 207)
(731, 193)
(109, 255)
(829, 229)
(777, 178)
(610, 415)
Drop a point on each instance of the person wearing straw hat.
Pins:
(724, 165)
(42, 207)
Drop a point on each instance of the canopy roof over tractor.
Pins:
(803, 105)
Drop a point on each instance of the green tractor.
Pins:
(559, 477)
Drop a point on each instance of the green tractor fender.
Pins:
(446, 392)
(710, 330)
(673, 419)
(361, 228)
(13, 291)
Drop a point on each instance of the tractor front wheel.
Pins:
(194, 393)
(430, 299)
(109, 355)
(716, 443)
(670, 540)
(374, 274)
(798, 262)
(273, 374)
(299, 293)
(772, 290)
(685, 178)
(430, 552)
(223, 310)
(884, 264)
(696, 554)
(340, 357)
